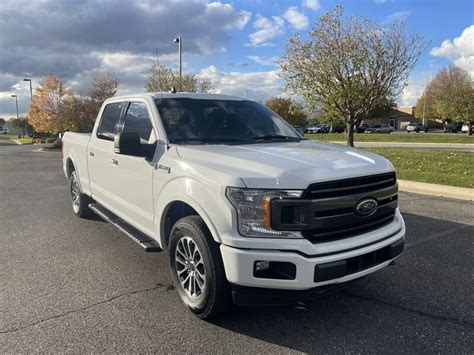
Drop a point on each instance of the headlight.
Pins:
(253, 211)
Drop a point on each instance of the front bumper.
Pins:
(311, 271)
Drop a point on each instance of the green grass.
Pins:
(432, 166)
(397, 137)
(26, 140)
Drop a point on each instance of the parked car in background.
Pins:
(319, 128)
(363, 127)
(380, 128)
(416, 127)
(5, 130)
(338, 128)
(465, 127)
(452, 127)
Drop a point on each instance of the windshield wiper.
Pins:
(268, 137)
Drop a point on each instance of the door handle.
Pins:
(114, 161)
(91, 154)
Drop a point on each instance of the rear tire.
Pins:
(80, 202)
(197, 269)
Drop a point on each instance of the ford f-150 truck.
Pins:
(249, 211)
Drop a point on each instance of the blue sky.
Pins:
(233, 44)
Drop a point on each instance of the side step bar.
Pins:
(138, 237)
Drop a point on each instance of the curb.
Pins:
(16, 141)
(460, 193)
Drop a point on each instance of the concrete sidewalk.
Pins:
(460, 193)
(459, 147)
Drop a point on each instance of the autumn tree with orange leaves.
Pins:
(55, 108)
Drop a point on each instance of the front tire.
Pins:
(80, 202)
(197, 269)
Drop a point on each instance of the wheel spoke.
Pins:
(181, 261)
(200, 282)
(179, 251)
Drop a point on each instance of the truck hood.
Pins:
(292, 165)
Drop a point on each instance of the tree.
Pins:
(104, 85)
(55, 108)
(349, 65)
(47, 105)
(2, 122)
(290, 110)
(21, 125)
(162, 78)
(450, 96)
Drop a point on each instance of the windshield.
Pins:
(197, 121)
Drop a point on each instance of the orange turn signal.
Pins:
(266, 213)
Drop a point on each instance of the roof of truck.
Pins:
(189, 95)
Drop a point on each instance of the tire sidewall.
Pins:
(73, 176)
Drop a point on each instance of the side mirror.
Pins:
(128, 143)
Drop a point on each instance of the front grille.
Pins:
(326, 211)
(343, 222)
(350, 186)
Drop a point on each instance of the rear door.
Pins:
(132, 177)
(99, 152)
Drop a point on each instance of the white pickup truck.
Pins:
(250, 212)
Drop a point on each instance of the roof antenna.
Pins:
(173, 90)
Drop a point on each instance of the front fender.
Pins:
(208, 201)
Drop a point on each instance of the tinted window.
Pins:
(109, 121)
(138, 120)
(206, 121)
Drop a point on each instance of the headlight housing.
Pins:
(253, 211)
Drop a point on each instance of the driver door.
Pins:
(132, 177)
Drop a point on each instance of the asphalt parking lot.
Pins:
(75, 285)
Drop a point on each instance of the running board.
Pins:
(138, 237)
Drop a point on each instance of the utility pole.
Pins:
(180, 43)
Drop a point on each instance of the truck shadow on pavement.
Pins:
(407, 307)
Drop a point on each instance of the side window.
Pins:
(109, 121)
(138, 120)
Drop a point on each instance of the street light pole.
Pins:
(180, 43)
(31, 99)
(16, 99)
(31, 88)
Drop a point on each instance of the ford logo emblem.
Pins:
(366, 207)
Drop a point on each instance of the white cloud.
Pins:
(311, 4)
(259, 86)
(269, 61)
(411, 93)
(266, 30)
(297, 20)
(244, 18)
(399, 16)
(460, 50)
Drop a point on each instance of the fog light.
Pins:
(262, 265)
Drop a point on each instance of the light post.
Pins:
(180, 43)
(31, 88)
(31, 99)
(16, 100)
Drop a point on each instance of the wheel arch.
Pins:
(178, 208)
